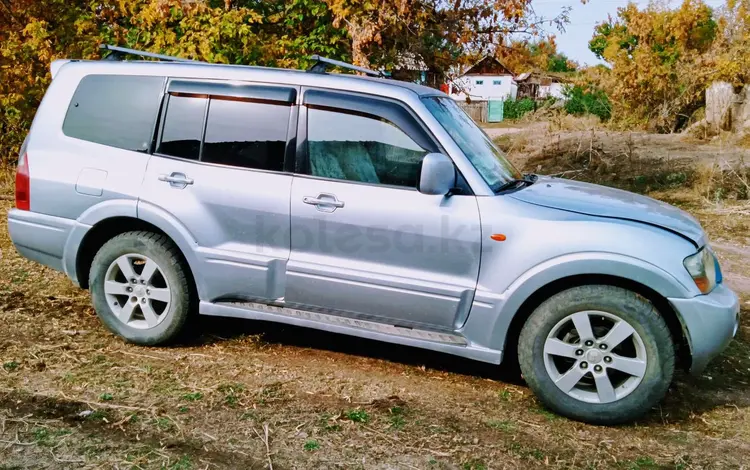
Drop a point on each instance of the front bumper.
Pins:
(710, 322)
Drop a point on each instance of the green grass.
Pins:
(106, 397)
(10, 366)
(505, 426)
(357, 416)
(397, 418)
(312, 445)
(194, 396)
(183, 464)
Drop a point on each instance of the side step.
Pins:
(432, 340)
(319, 317)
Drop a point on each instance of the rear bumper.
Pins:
(40, 237)
(710, 322)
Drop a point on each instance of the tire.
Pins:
(648, 351)
(155, 306)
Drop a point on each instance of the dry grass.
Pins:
(256, 395)
(7, 180)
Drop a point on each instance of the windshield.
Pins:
(489, 160)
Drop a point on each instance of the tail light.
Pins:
(23, 187)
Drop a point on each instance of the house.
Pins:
(486, 80)
(540, 85)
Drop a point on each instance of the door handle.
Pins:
(177, 180)
(325, 202)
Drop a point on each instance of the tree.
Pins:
(658, 61)
(535, 55)
(437, 34)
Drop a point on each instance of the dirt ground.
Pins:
(259, 395)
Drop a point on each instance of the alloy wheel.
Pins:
(137, 291)
(595, 357)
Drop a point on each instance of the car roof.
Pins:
(250, 72)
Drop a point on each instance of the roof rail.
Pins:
(118, 53)
(322, 63)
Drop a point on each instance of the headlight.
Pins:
(704, 269)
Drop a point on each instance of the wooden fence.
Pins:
(476, 109)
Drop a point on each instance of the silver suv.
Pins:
(363, 206)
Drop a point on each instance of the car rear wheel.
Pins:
(599, 354)
(140, 288)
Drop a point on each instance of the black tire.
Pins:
(167, 256)
(638, 313)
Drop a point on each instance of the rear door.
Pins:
(219, 170)
(365, 242)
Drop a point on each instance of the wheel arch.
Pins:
(108, 228)
(546, 291)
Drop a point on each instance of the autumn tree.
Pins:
(524, 55)
(658, 58)
(436, 34)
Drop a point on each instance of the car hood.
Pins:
(601, 201)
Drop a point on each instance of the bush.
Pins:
(516, 109)
(588, 100)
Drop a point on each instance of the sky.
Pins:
(574, 41)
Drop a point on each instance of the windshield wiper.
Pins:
(527, 180)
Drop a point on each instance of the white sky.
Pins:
(574, 41)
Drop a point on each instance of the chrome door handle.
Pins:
(175, 179)
(325, 202)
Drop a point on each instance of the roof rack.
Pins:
(322, 63)
(119, 53)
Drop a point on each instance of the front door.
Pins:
(365, 242)
(218, 170)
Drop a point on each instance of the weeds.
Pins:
(311, 445)
(194, 396)
(505, 426)
(397, 419)
(11, 366)
(357, 416)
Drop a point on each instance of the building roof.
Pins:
(488, 66)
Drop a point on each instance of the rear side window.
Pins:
(232, 131)
(183, 127)
(246, 134)
(115, 110)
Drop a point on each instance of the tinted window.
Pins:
(114, 110)
(361, 148)
(183, 127)
(246, 134)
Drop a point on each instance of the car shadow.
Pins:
(724, 384)
(216, 329)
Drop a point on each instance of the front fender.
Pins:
(492, 312)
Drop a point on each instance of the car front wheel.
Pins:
(599, 354)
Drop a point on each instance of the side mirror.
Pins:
(438, 175)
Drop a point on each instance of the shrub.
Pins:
(587, 100)
(516, 109)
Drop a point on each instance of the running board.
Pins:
(326, 318)
(437, 341)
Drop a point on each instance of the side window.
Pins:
(246, 134)
(183, 126)
(115, 110)
(363, 148)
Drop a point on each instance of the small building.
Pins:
(540, 85)
(486, 80)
